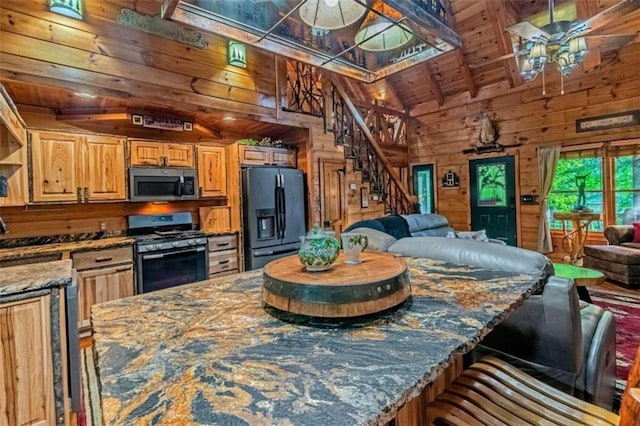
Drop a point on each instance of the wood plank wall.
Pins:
(524, 117)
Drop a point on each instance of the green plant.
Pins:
(247, 141)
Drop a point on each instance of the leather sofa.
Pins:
(618, 261)
(553, 336)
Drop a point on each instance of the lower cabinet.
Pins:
(103, 275)
(223, 255)
(26, 363)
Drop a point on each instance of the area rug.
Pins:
(625, 308)
(91, 413)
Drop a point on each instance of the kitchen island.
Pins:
(213, 353)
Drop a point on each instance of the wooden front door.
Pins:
(493, 197)
(332, 202)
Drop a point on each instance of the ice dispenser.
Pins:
(266, 223)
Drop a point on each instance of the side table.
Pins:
(583, 277)
(573, 241)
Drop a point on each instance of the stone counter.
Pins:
(62, 249)
(23, 278)
(212, 353)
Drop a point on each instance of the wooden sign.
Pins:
(162, 123)
(609, 121)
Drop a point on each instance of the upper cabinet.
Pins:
(13, 154)
(72, 167)
(252, 155)
(164, 154)
(212, 171)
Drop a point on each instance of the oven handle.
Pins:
(161, 255)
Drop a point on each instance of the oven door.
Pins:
(157, 271)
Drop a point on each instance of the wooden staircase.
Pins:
(362, 133)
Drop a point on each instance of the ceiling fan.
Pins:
(563, 41)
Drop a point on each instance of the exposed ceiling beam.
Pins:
(585, 9)
(498, 17)
(466, 73)
(168, 6)
(433, 84)
(394, 93)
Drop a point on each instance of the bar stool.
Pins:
(492, 392)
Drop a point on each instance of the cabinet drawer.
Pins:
(101, 258)
(223, 242)
(224, 260)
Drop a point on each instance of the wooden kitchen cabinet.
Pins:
(252, 155)
(212, 171)
(164, 154)
(26, 363)
(73, 167)
(103, 275)
(13, 152)
(223, 255)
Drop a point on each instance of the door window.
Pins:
(492, 189)
(423, 187)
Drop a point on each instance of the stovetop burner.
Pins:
(172, 235)
(164, 232)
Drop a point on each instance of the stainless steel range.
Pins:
(168, 251)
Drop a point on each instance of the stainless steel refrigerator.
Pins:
(273, 213)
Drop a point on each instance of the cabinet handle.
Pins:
(222, 262)
(86, 194)
(124, 268)
(79, 194)
(104, 259)
(222, 244)
(165, 161)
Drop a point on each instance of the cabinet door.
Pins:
(101, 285)
(144, 153)
(283, 157)
(255, 155)
(56, 175)
(212, 171)
(179, 154)
(104, 168)
(26, 371)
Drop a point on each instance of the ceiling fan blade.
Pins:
(528, 31)
(597, 21)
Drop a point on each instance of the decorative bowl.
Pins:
(318, 250)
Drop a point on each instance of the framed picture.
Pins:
(137, 119)
(364, 197)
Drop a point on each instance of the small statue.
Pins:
(488, 130)
(581, 181)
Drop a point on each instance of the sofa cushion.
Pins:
(419, 222)
(371, 223)
(614, 254)
(434, 232)
(636, 233)
(631, 245)
(378, 240)
(616, 234)
(469, 252)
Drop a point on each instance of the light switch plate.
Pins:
(352, 186)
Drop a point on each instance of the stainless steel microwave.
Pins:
(162, 184)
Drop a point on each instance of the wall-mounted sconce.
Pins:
(450, 180)
(237, 54)
(70, 8)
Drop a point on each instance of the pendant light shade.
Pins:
(331, 14)
(380, 31)
(70, 8)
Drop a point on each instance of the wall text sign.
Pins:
(609, 121)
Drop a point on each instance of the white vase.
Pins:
(353, 243)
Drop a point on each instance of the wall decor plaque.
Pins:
(608, 121)
(160, 27)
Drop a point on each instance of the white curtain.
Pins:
(547, 162)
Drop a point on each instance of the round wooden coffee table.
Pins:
(380, 282)
(583, 277)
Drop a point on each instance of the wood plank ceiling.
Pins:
(485, 59)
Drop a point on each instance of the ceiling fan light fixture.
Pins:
(538, 56)
(383, 30)
(578, 48)
(526, 70)
(331, 14)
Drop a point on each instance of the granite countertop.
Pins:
(24, 252)
(23, 278)
(219, 233)
(213, 353)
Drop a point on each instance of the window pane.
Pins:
(423, 187)
(564, 196)
(492, 190)
(627, 189)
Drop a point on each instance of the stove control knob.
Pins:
(200, 241)
(175, 244)
(191, 242)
